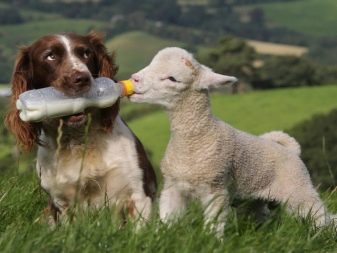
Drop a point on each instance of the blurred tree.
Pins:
(286, 71)
(194, 16)
(256, 16)
(5, 67)
(232, 56)
(165, 10)
(10, 15)
(318, 139)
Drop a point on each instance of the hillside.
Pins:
(131, 57)
(136, 49)
(255, 112)
(197, 29)
(312, 17)
(38, 24)
(262, 47)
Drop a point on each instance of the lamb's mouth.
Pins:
(136, 94)
(75, 120)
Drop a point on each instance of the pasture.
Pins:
(22, 227)
(22, 201)
(128, 54)
(28, 32)
(311, 17)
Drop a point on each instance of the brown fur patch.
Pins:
(188, 63)
(51, 212)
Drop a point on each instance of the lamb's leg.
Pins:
(171, 203)
(307, 202)
(293, 188)
(216, 204)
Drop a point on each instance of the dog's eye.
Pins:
(51, 57)
(86, 54)
(172, 79)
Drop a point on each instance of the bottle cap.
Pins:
(128, 87)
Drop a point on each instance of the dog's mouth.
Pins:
(75, 120)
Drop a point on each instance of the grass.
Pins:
(40, 24)
(27, 32)
(131, 57)
(254, 112)
(312, 17)
(262, 47)
(22, 229)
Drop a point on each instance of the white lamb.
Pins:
(205, 155)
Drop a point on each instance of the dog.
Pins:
(92, 158)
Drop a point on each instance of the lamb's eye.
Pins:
(172, 79)
(51, 57)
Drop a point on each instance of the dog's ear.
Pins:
(105, 60)
(26, 133)
(209, 79)
(106, 68)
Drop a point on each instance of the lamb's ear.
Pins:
(209, 79)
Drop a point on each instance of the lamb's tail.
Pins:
(285, 140)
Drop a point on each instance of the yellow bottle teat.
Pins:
(128, 87)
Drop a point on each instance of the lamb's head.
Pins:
(172, 72)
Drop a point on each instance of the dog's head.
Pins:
(68, 62)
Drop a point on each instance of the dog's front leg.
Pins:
(141, 204)
(55, 213)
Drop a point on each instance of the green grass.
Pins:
(136, 49)
(313, 17)
(22, 229)
(40, 24)
(27, 32)
(254, 112)
(31, 15)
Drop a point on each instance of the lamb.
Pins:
(210, 160)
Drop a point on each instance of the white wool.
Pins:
(205, 155)
(284, 140)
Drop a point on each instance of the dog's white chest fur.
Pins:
(98, 172)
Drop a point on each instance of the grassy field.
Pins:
(22, 229)
(262, 47)
(27, 32)
(39, 24)
(22, 226)
(130, 57)
(313, 17)
(255, 112)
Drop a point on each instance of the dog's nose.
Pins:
(81, 79)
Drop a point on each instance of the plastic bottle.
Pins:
(39, 104)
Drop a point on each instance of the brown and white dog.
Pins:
(91, 158)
